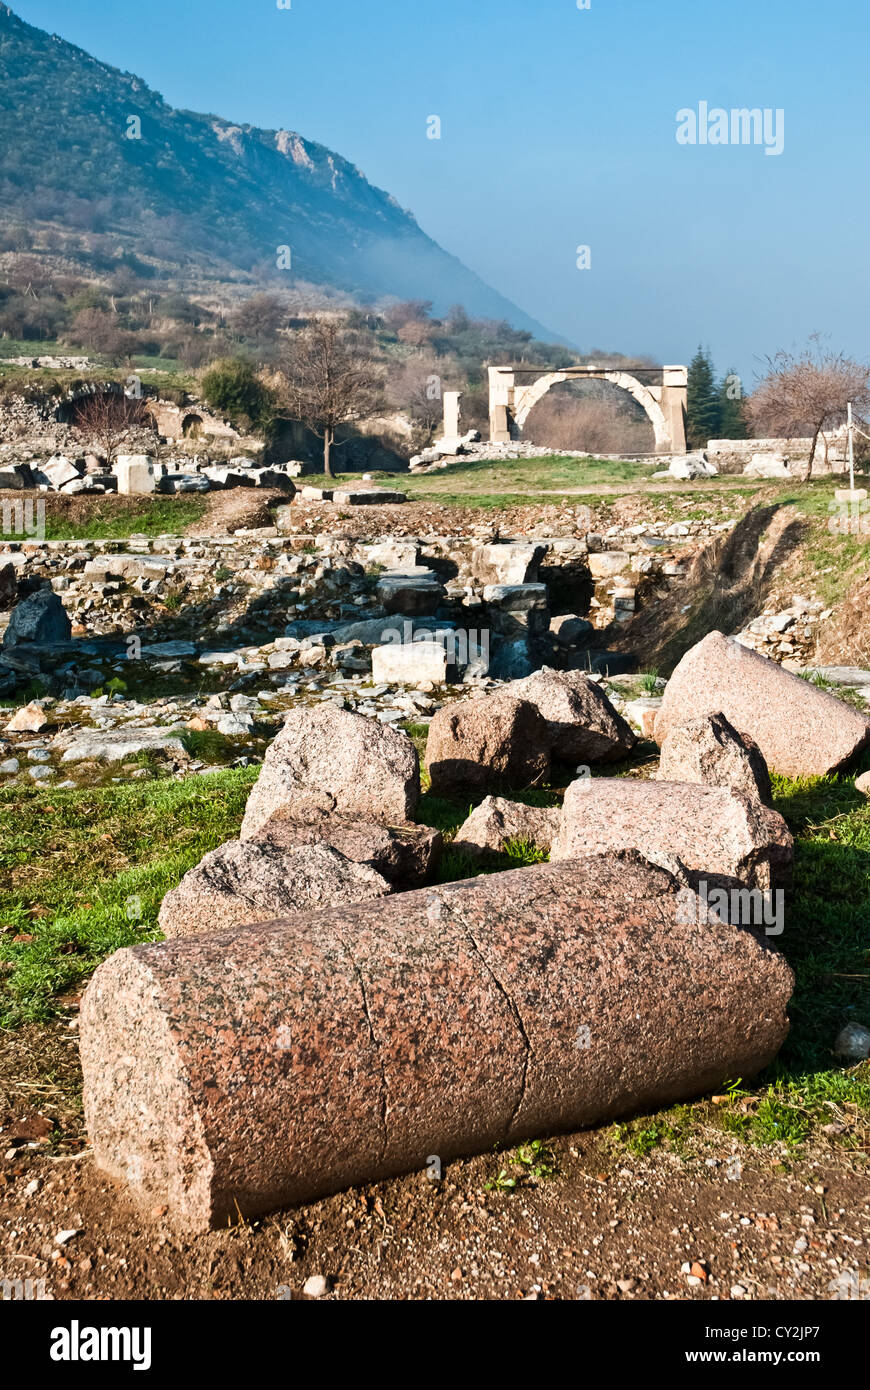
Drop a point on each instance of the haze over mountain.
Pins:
(196, 195)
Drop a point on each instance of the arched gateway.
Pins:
(661, 391)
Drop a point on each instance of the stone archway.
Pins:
(192, 426)
(514, 391)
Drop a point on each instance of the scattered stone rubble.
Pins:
(754, 458)
(327, 1082)
(247, 583)
(393, 627)
(141, 474)
(790, 634)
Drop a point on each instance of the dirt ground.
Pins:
(249, 507)
(755, 1223)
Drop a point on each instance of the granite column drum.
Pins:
(230, 1074)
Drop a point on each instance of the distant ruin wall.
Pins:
(735, 455)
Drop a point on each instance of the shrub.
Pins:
(232, 387)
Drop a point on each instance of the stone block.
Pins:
(496, 822)
(508, 562)
(408, 663)
(367, 497)
(710, 830)
(137, 474)
(328, 760)
(710, 751)
(582, 723)
(490, 742)
(607, 564)
(802, 731)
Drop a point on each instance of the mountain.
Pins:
(197, 195)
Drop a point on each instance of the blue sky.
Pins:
(559, 129)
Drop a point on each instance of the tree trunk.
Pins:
(809, 471)
(327, 446)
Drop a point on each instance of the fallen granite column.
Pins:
(229, 1074)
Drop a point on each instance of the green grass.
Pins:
(640, 1137)
(525, 1166)
(826, 935)
(34, 690)
(832, 560)
(827, 943)
(209, 745)
(26, 347)
(84, 873)
(152, 516)
(165, 373)
(487, 483)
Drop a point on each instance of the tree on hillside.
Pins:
(703, 412)
(259, 317)
(102, 331)
(416, 388)
(804, 393)
(328, 380)
(408, 311)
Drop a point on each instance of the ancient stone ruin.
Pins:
(325, 1013)
(328, 1007)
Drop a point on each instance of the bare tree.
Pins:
(327, 380)
(105, 417)
(259, 316)
(804, 393)
(416, 388)
(597, 422)
(408, 311)
(102, 331)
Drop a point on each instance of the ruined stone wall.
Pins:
(736, 455)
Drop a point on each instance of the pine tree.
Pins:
(703, 406)
(732, 413)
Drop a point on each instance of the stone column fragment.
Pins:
(231, 1074)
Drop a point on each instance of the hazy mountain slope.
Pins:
(195, 190)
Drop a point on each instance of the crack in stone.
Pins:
(517, 1019)
(382, 1117)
